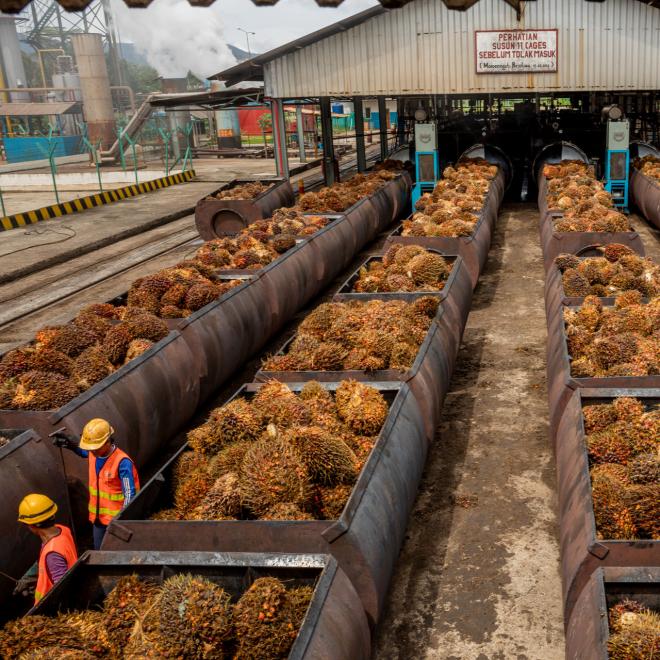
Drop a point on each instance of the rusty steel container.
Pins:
(365, 539)
(493, 155)
(147, 401)
(561, 384)
(334, 627)
(554, 153)
(582, 552)
(474, 248)
(554, 289)
(392, 201)
(225, 333)
(455, 296)
(645, 194)
(588, 631)
(26, 466)
(554, 243)
(216, 218)
(430, 374)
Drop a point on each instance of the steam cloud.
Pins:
(176, 37)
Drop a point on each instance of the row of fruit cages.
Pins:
(313, 467)
(127, 362)
(579, 213)
(227, 212)
(459, 216)
(603, 312)
(645, 186)
(324, 451)
(194, 606)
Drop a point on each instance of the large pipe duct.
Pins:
(95, 88)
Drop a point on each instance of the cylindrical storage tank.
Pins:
(229, 128)
(365, 539)
(493, 155)
(588, 633)
(95, 88)
(27, 465)
(11, 58)
(555, 153)
(645, 190)
(583, 549)
(215, 218)
(334, 627)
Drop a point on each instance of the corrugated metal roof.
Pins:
(424, 48)
(39, 109)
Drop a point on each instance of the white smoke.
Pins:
(175, 37)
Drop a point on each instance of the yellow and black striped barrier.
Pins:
(90, 201)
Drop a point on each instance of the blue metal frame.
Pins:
(424, 186)
(618, 188)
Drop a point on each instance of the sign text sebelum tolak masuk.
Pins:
(515, 51)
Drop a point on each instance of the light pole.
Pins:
(247, 37)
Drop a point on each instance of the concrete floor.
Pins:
(478, 576)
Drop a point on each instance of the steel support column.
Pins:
(301, 134)
(279, 138)
(382, 120)
(400, 121)
(326, 137)
(359, 134)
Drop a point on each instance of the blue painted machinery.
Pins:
(427, 168)
(617, 161)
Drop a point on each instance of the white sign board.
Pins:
(515, 51)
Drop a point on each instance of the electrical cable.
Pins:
(46, 230)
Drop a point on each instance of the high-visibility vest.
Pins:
(106, 495)
(64, 545)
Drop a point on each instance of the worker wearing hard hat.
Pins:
(58, 549)
(113, 479)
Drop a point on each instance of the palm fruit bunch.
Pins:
(188, 617)
(453, 208)
(123, 606)
(365, 336)
(634, 632)
(342, 195)
(277, 455)
(620, 340)
(267, 618)
(177, 291)
(404, 268)
(649, 166)
(65, 360)
(586, 205)
(619, 270)
(623, 446)
(31, 635)
(248, 190)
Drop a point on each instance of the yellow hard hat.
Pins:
(95, 434)
(35, 508)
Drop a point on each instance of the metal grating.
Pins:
(15, 6)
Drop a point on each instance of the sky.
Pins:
(176, 37)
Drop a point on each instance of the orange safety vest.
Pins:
(106, 497)
(64, 545)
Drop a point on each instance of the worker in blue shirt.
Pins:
(113, 479)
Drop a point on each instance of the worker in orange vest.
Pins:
(113, 479)
(58, 549)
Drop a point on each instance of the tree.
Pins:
(266, 125)
(142, 78)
